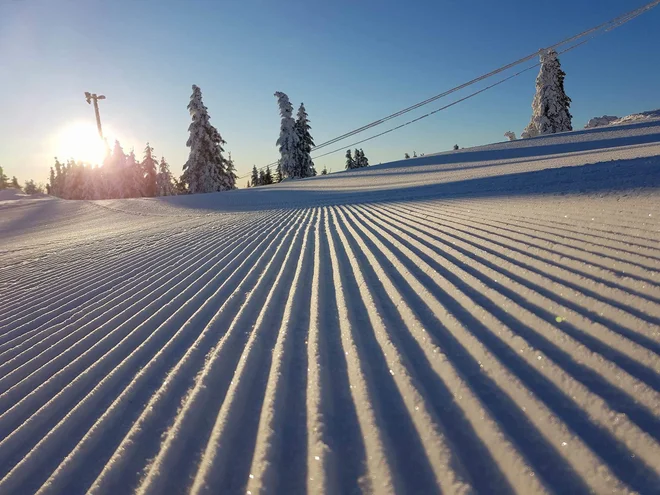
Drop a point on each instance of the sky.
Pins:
(349, 62)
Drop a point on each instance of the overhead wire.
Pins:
(471, 95)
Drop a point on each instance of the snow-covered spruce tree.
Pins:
(278, 172)
(56, 189)
(164, 183)
(206, 168)
(134, 178)
(4, 180)
(116, 172)
(268, 176)
(30, 187)
(510, 135)
(149, 167)
(288, 140)
(305, 165)
(230, 175)
(362, 160)
(550, 107)
(73, 182)
(255, 176)
(262, 177)
(350, 162)
(51, 181)
(90, 187)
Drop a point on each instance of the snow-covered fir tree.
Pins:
(360, 159)
(90, 183)
(31, 187)
(230, 176)
(51, 181)
(550, 107)
(4, 180)
(149, 168)
(350, 162)
(268, 176)
(255, 176)
(262, 177)
(278, 172)
(116, 163)
(164, 183)
(288, 140)
(206, 168)
(74, 180)
(304, 163)
(56, 187)
(133, 177)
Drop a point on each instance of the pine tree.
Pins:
(262, 177)
(230, 177)
(15, 184)
(350, 162)
(4, 180)
(550, 107)
(73, 180)
(288, 140)
(30, 187)
(149, 171)
(406, 156)
(304, 163)
(134, 178)
(360, 159)
(268, 176)
(117, 173)
(324, 171)
(56, 189)
(248, 184)
(206, 168)
(278, 172)
(255, 176)
(164, 182)
(90, 184)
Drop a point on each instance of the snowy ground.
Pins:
(477, 321)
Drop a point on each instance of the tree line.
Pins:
(121, 176)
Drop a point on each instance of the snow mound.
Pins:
(606, 120)
(17, 195)
(12, 195)
(601, 121)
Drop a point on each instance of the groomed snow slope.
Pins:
(479, 321)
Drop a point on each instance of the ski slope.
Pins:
(480, 321)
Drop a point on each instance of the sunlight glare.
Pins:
(80, 141)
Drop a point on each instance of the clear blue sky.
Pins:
(350, 62)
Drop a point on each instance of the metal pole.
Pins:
(98, 115)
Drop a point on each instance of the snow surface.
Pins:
(483, 321)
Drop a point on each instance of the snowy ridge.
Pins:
(484, 321)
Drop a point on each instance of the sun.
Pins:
(80, 141)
